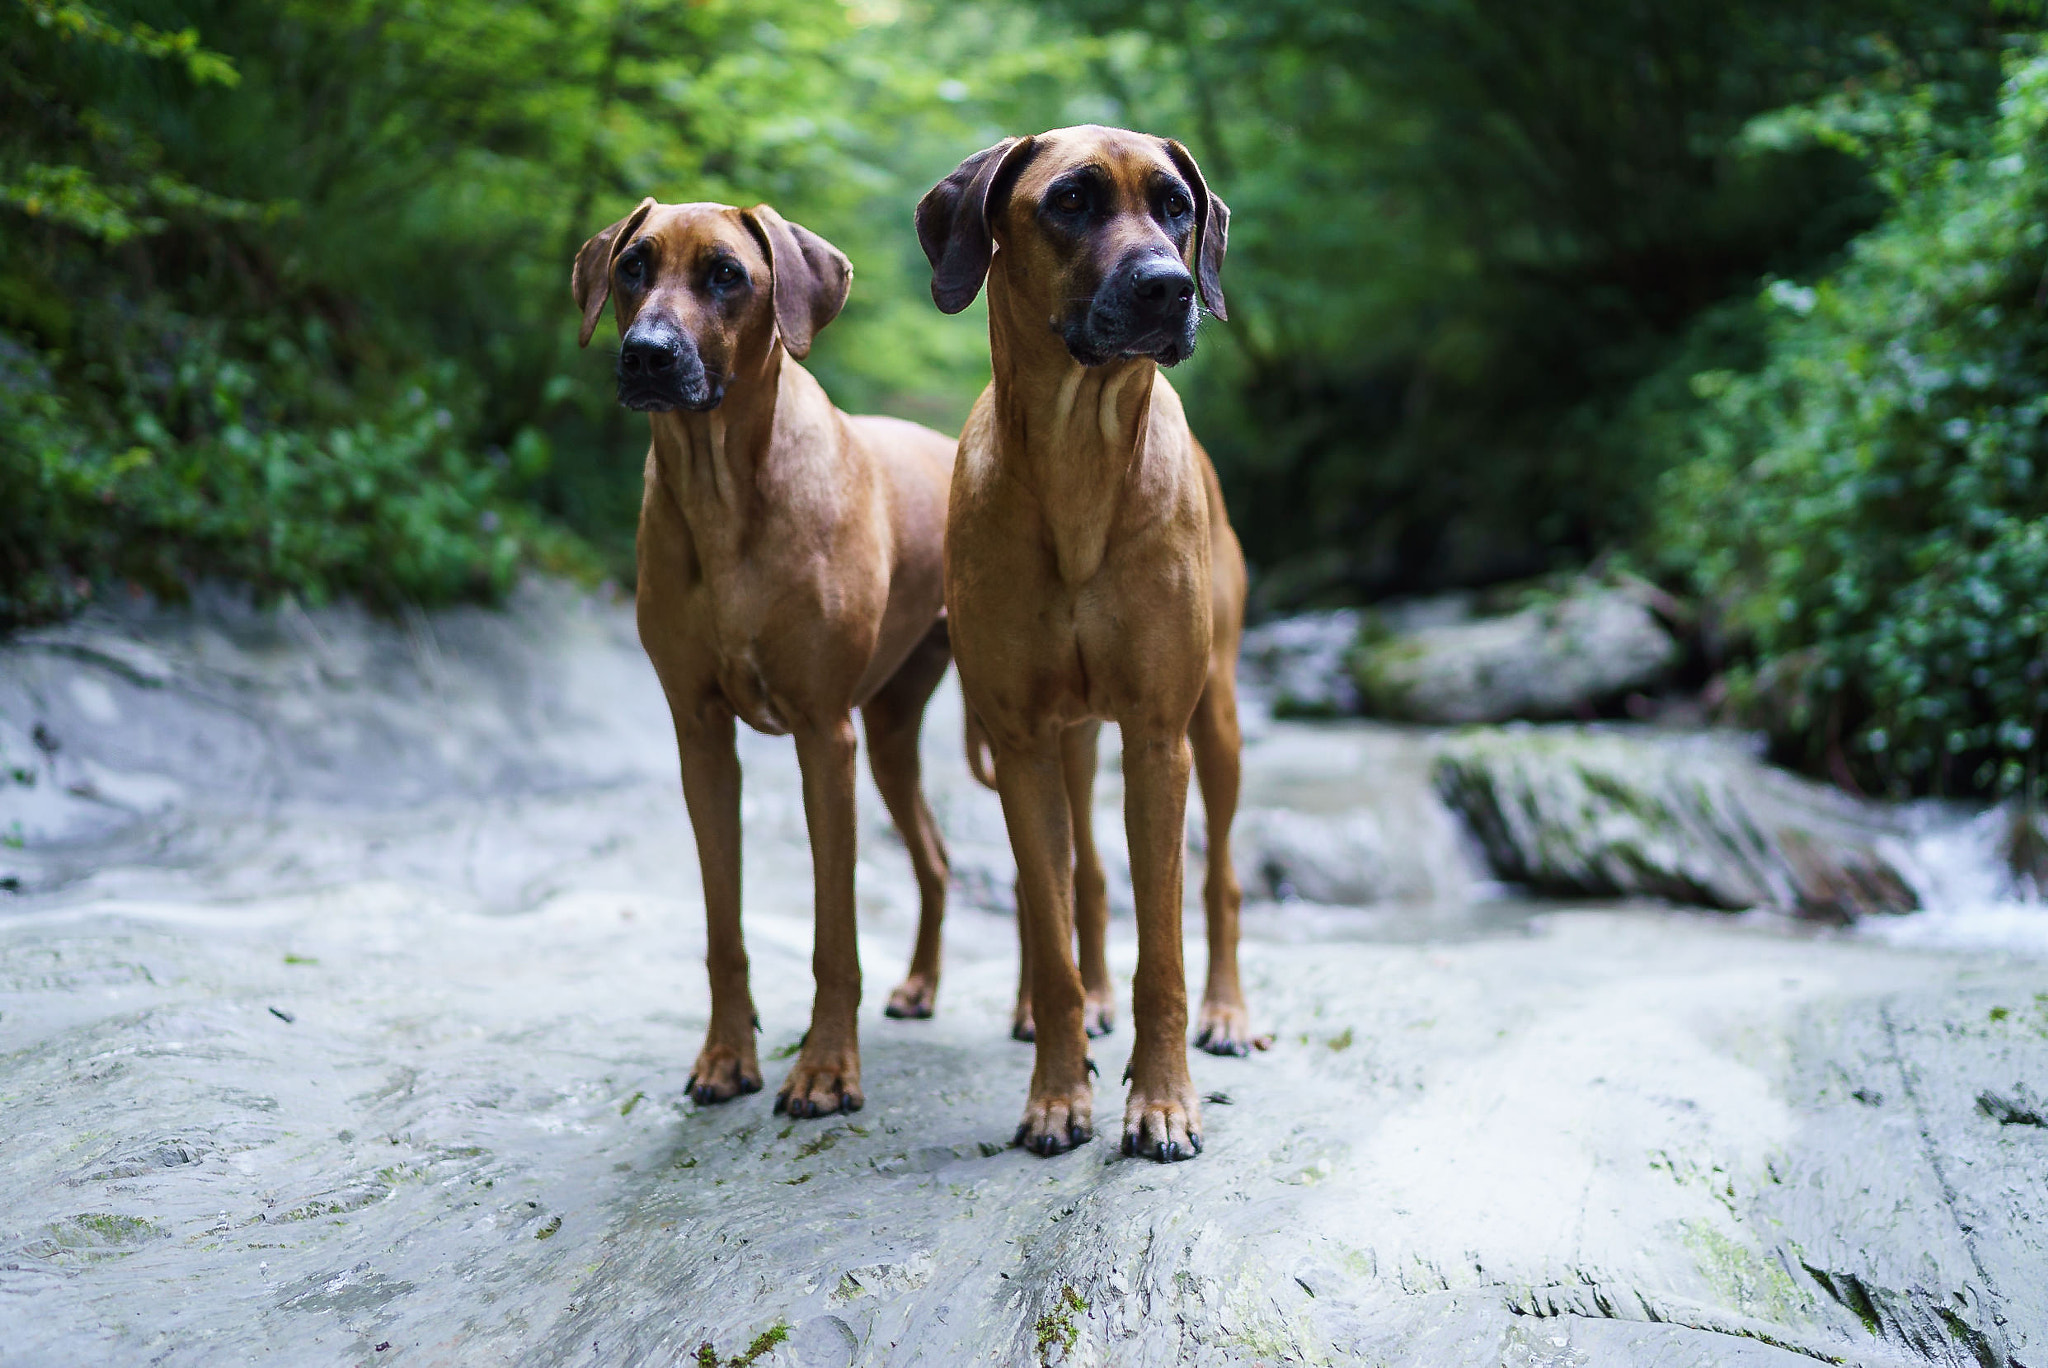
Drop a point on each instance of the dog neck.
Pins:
(711, 461)
(1074, 435)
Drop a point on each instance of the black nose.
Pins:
(650, 358)
(1161, 283)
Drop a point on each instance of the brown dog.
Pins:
(789, 562)
(1091, 573)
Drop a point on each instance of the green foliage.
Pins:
(763, 1343)
(1059, 1329)
(210, 424)
(1868, 504)
(1468, 231)
(283, 295)
(75, 22)
(211, 471)
(290, 305)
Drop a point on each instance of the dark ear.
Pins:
(591, 278)
(952, 220)
(811, 277)
(1212, 230)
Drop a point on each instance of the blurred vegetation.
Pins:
(1477, 239)
(1747, 289)
(1867, 505)
(283, 286)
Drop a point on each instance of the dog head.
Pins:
(703, 293)
(1102, 232)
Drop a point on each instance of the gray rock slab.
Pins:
(298, 1067)
(1626, 1130)
(1345, 814)
(1577, 812)
(1554, 659)
(1296, 664)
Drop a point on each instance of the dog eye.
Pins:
(726, 273)
(632, 268)
(1176, 205)
(1070, 201)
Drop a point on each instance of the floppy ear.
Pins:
(952, 221)
(811, 277)
(591, 278)
(1212, 230)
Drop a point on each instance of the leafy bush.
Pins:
(290, 304)
(283, 282)
(210, 470)
(1868, 507)
(216, 423)
(1468, 233)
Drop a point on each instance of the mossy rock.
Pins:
(1574, 812)
(1553, 658)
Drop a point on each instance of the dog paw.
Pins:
(1057, 1121)
(1165, 1124)
(823, 1083)
(721, 1074)
(1022, 1027)
(1098, 1015)
(1225, 1028)
(914, 999)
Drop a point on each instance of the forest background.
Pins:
(1748, 296)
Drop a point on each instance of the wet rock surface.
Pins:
(1298, 662)
(1560, 657)
(1692, 819)
(365, 1045)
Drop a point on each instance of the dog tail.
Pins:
(981, 756)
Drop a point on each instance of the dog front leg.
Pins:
(826, 1078)
(1225, 1024)
(1021, 1025)
(894, 718)
(1060, 1113)
(1091, 897)
(726, 1066)
(1091, 890)
(1162, 1120)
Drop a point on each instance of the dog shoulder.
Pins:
(896, 438)
(975, 467)
(915, 466)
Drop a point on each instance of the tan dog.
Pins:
(1091, 574)
(789, 573)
